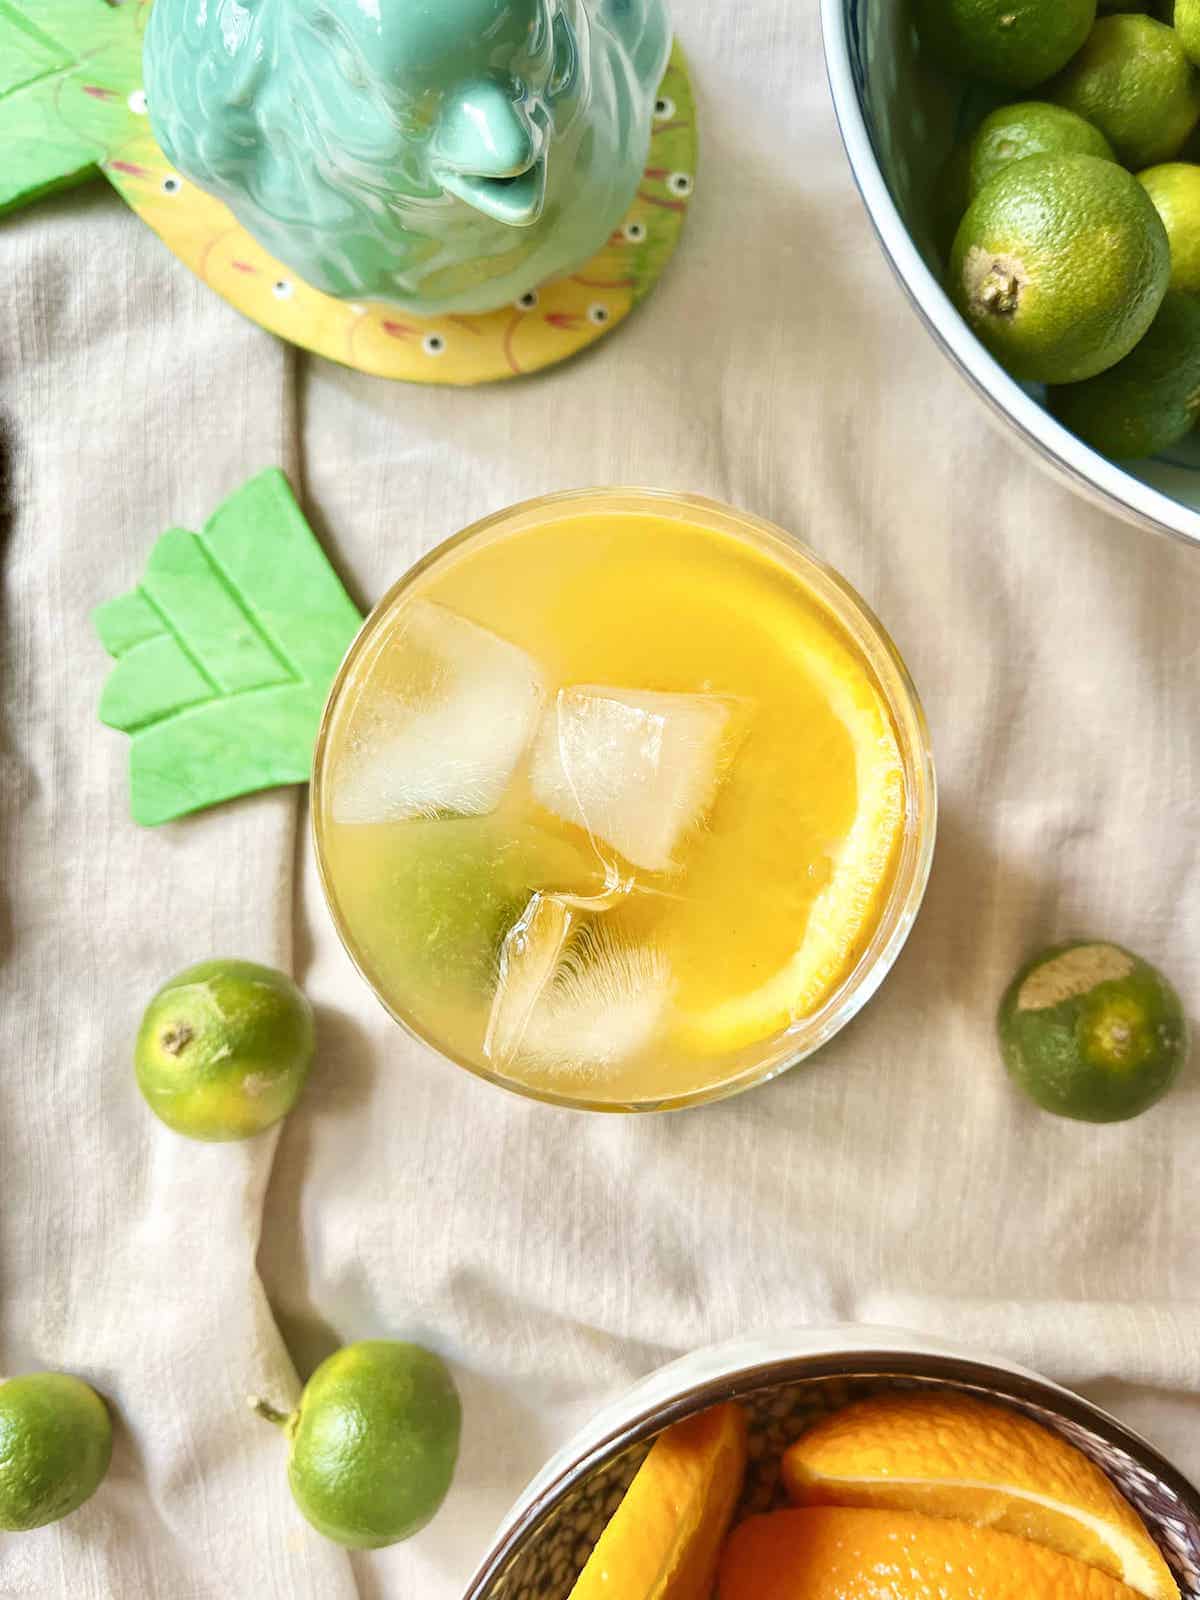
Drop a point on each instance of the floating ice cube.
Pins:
(528, 958)
(574, 998)
(636, 768)
(454, 745)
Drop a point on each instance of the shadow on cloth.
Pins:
(339, 1086)
(10, 780)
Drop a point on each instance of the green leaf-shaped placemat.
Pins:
(224, 654)
(68, 69)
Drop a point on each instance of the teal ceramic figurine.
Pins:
(443, 155)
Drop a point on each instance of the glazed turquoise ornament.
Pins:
(443, 155)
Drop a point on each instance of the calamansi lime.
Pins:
(437, 897)
(373, 1442)
(224, 1049)
(949, 197)
(1091, 1031)
(55, 1446)
(1186, 22)
(1059, 266)
(1134, 82)
(1175, 190)
(1148, 401)
(1016, 43)
(1029, 128)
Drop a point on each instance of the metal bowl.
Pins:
(786, 1382)
(899, 118)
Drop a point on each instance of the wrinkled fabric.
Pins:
(554, 1257)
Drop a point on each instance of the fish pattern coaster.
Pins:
(71, 99)
(225, 652)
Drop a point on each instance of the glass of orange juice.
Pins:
(623, 799)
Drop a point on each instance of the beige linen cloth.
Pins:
(554, 1257)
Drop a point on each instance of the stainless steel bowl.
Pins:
(898, 118)
(785, 1382)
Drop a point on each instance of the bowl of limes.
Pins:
(1032, 170)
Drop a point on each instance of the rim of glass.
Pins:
(869, 637)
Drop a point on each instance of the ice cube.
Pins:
(453, 745)
(635, 768)
(606, 1001)
(528, 958)
(576, 998)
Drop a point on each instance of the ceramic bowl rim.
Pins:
(1000, 1381)
(1096, 477)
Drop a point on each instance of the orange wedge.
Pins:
(664, 1539)
(846, 910)
(839, 1553)
(951, 1456)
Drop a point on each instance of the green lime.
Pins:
(1190, 152)
(1016, 43)
(1091, 1031)
(1029, 128)
(1059, 266)
(434, 898)
(1175, 191)
(1148, 401)
(55, 1446)
(1187, 26)
(224, 1049)
(948, 198)
(373, 1442)
(1133, 81)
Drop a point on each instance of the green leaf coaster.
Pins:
(224, 654)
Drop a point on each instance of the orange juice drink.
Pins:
(623, 800)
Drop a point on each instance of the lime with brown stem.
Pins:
(224, 1049)
(1091, 1031)
(1028, 274)
(373, 1442)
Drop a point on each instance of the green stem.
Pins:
(268, 1412)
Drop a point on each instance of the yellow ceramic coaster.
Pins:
(544, 327)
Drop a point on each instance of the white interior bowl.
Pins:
(785, 1382)
(899, 118)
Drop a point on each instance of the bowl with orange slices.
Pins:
(849, 1464)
